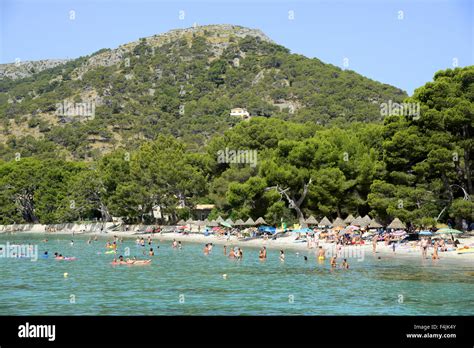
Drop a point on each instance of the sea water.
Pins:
(186, 282)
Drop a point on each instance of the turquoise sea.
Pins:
(186, 282)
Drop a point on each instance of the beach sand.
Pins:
(287, 243)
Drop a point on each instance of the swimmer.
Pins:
(241, 254)
(231, 253)
(180, 246)
(282, 255)
(345, 264)
(262, 255)
(72, 243)
(151, 252)
(225, 250)
(206, 249)
(210, 246)
(306, 258)
(333, 262)
(174, 244)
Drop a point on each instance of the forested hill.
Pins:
(183, 83)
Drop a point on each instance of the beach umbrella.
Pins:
(398, 233)
(338, 222)
(349, 219)
(239, 222)
(397, 224)
(324, 222)
(219, 219)
(302, 230)
(448, 231)
(311, 221)
(225, 224)
(250, 222)
(425, 233)
(200, 223)
(367, 219)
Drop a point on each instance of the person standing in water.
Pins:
(151, 252)
(321, 254)
(333, 262)
(345, 264)
(435, 251)
(374, 243)
(174, 244)
(225, 250)
(282, 256)
(231, 253)
(424, 247)
(262, 254)
(206, 249)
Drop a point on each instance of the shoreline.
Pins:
(285, 242)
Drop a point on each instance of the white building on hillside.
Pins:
(240, 112)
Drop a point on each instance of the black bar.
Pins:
(225, 331)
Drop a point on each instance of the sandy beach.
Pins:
(287, 242)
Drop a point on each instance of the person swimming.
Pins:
(282, 255)
(262, 255)
(206, 249)
(151, 252)
(345, 264)
(180, 246)
(174, 244)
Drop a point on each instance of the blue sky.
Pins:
(404, 48)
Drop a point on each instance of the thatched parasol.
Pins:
(181, 222)
(239, 222)
(338, 222)
(219, 219)
(311, 221)
(213, 223)
(324, 222)
(349, 219)
(249, 222)
(367, 219)
(374, 224)
(260, 221)
(397, 224)
(229, 221)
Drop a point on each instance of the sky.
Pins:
(399, 42)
